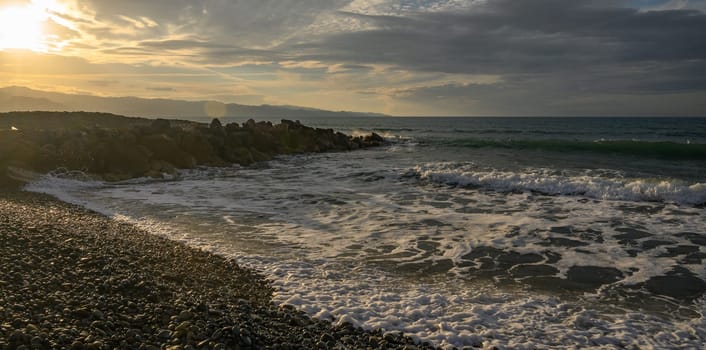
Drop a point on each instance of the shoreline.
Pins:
(73, 278)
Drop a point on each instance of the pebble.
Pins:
(164, 334)
(185, 315)
(100, 284)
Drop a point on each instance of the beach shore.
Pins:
(71, 278)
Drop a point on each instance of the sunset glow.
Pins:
(448, 57)
(22, 27)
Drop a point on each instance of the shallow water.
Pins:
(457, 244)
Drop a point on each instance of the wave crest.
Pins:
(551, 182)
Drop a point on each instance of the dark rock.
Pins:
(215, 124)
(164, 148)
(83, 313)
(376, 138)
(160, 167)
(199, 147)
(218, 132)
(232, 127)
(123, 160)
(185, 315)
(140, 147)
(160, 126)
(249, 124)
(326, 338)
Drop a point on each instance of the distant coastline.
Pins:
(16, 98)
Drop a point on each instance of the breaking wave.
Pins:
(590, 184)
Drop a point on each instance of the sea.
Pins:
(509, 233)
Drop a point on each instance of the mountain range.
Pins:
(16, 98)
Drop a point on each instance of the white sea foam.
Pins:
(347, 238)
(387, 135)
(548, 181)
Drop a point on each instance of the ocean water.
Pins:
(518, 233)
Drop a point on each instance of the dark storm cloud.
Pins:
(501, 37)
(521, 37)
(450, 56)
(543, 51)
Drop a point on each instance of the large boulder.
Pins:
(160, 168)
(74, 153)
(232, 127)
(249, 124)
(164, 148)
(197, 144)
(239, 155)
(119, 161)
(159, 126)
(15, 149)
(215, 124)
(265, 142)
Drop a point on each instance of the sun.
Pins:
(21, 27)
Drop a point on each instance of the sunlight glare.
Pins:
(21, 27)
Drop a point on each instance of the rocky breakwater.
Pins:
(135, 147)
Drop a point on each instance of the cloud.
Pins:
(511, 99)
(161, 89)
(477, 56)
(256, 24)
(59, 32)
(504, 36)
(489, 37)
(14, 2)
(556, 49)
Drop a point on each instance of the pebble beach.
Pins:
(74, 279)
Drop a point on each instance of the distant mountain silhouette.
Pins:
(25, 103)
(16, 98)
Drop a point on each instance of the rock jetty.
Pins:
(117, 148)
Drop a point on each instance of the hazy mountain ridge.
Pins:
(25, 103)
(15, 98)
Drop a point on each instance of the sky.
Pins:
(405, 57)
